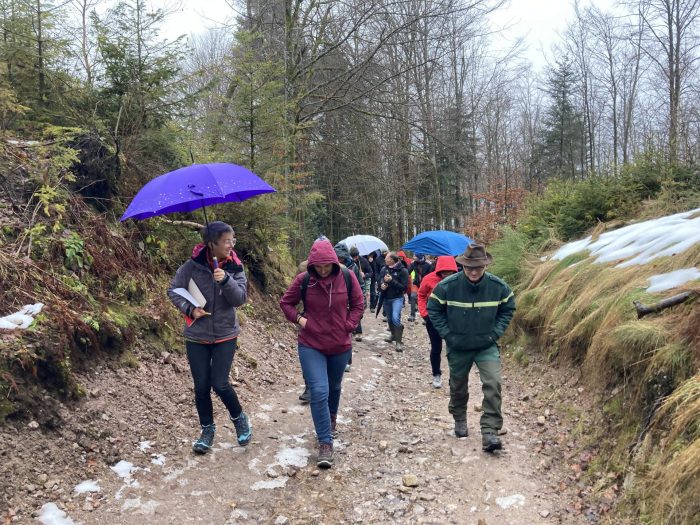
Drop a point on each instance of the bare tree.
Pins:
(671, 44)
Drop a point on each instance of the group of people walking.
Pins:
(468, 308)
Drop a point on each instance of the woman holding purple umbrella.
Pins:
(211, 330)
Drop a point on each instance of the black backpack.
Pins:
(348, 284)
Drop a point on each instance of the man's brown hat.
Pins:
(475, 255)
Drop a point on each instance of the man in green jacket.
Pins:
(470, 310)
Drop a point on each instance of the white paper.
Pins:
(196, 293)
(187, 295)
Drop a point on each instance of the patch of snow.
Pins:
(509, 501)
(267, 408)
(253, 465)
(344, 420)
(293, 456)
(158, 459)
(667, 281)
(225, 445)
(570, 249)
(145, 445)
(175, 473)
(22, 319)
(198, 493)
(378, 360)
(123, 469)
(139, 507)
(273, 484)
(642, 242)
(52, 515)
(87, 486)
(131, 503)
(299, 438)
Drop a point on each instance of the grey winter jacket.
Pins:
(222, 298)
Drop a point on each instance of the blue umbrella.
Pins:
(194, 187)
(438, 242)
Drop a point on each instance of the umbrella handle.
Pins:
(192, 187)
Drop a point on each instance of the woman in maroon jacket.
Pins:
(330, 314)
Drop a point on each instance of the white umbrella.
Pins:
(365, 243)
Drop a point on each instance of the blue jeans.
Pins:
(324, 375)
(393, 310)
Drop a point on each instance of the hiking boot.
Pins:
(305, 396)
(437, 381)
(358, 337)
(325, 455)
(372, 309)
(206, 440)
(398, 337)
(490, 442)
(243, 429)
(412, 318)
(390, 338)
(461, 430)
(334, 425)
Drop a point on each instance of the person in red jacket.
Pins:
(445, 266)
(324, 342)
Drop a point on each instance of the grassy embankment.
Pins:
(645, 371)
(103, 283)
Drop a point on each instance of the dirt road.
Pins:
(397, 459)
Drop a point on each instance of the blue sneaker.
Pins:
(243, 429)
(206, 440)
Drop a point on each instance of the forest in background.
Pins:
(369, 116)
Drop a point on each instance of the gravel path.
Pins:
(397, 459)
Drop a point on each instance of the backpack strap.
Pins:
(346, 276)
(304, 286)
(348, 283)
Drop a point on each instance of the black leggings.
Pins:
(210, 365)
(435, 347)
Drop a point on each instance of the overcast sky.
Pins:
(537, 21)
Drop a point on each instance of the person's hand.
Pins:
(387, 278)
(302, 322)
(199, 312)
(219, 275)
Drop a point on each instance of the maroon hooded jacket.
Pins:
(329, 323)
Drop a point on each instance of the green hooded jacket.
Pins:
(471, 316)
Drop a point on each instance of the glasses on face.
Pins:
(228, 242)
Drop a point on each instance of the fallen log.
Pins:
(643, 310)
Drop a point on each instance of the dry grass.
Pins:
(584, 312)
(674, 482)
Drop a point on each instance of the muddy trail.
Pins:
(397, 459)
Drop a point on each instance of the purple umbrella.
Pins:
(194, 187)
